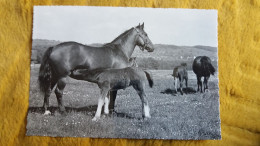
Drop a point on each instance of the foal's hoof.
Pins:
(146, 118)
(47, 113)
(95, 119)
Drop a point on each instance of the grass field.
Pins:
(173, 116)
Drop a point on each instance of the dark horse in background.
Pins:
(61, 60)
(202, 67)
(180, 72)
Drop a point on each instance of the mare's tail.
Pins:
(211, 69)
(149, 78)
(45, 72)
(207, 66)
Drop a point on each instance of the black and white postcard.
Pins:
(121, 72)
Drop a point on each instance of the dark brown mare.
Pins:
(59, 61)
(180, 72)
(202, 67)
(113, 80)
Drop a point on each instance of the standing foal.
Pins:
(115, 79)
(180, 72)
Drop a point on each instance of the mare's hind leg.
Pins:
(112, 100)
(46, 102)
(205, 83)
(59, 92)
(46, 99)
(145, 107)
(199, 83)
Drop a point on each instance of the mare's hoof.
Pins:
(47, 113)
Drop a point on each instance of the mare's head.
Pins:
(143, 40)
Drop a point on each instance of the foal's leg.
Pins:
(145, 107)
(59, 92)
(175, 83)
(106, 111)
(181, 83)
(101, 101)
(186, 82)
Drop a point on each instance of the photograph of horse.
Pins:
(82, 84)
(60, 60)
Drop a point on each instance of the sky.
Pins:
(88, 25)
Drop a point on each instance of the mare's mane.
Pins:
(112, 43)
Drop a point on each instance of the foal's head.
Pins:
(133, 62)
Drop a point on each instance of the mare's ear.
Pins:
(138, 26)
(142, 26)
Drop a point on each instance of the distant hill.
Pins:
(163, 57)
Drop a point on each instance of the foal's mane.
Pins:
(119, 37)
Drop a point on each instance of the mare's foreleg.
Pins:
(59, 93)
(112, 100)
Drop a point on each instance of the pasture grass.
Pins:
(173, 116)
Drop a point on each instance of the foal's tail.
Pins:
(149, 78)
(45, 72)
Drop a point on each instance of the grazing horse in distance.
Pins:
(180, 72)
(59, 61)
(202, 67)
(115, 79)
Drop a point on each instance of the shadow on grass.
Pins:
(123, 115)
(52, 109)
(90, 109)
(187, 90)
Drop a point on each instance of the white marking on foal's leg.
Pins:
(106, 111)
(99, 108)
(47, 112)
(147, 111)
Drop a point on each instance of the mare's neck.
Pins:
(127, 43)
